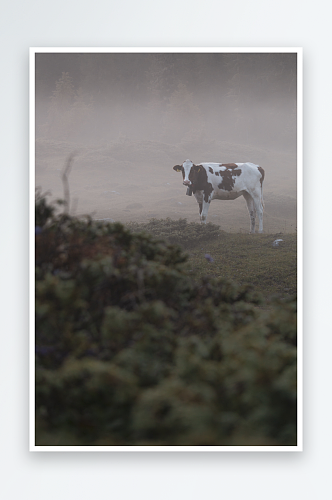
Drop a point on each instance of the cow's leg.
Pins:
(199, 198)
(259, 210)
(204, 211)
(251, 210)
(200, 208)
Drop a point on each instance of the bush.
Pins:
(131, 351)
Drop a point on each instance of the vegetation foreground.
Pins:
(139, 343)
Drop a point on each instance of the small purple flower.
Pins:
(208, 257)
(38, 230)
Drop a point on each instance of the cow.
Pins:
(225, 181)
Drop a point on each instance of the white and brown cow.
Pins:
(225, 181)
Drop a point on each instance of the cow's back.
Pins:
(228, 180)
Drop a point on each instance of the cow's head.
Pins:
(190, 172)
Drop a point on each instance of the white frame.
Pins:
(299, 52)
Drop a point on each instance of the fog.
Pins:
(128, 118)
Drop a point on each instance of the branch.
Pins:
(64, 176)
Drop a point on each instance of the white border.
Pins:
(299, 51)
(32, 251)
(300, 249)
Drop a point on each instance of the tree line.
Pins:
(166, 96)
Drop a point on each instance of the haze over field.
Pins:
(130, 117)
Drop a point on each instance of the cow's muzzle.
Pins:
(186, 183)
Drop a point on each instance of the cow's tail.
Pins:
(262, 172)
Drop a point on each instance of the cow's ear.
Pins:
(177, 168)
(198, 168)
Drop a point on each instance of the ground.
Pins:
(134, 181)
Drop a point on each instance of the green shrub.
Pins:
(130, 350)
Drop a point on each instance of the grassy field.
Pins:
(242, 258)
(250, 260)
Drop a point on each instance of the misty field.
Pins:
(134, 181)
(131, 117)
(152, 329)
